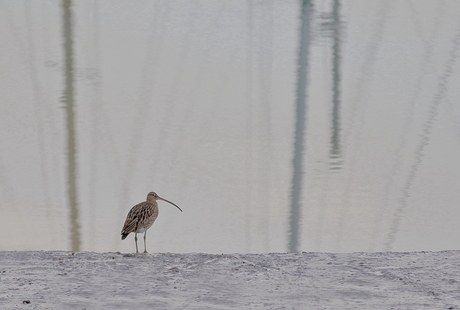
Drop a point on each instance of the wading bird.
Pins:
(142, 216)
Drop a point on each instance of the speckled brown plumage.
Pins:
(141, 217)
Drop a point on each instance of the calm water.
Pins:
(104, 101)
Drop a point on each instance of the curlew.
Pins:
(141, 217)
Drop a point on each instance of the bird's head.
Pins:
(152, 196)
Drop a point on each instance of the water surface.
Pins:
(104, 101)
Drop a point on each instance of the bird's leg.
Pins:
(145, 245)
(135, 239)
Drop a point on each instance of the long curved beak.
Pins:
(171, 203)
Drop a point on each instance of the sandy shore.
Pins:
(86, 280)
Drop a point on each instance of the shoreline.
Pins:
(309, 280)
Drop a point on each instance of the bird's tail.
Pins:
(124, 235)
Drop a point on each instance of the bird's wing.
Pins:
(136, 217)
(132, 219)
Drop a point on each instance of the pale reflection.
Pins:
(428, 127)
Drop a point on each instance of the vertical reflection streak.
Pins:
(335, 152)
(301, 111)
(349, 132)
(249, 134)
(68, 100)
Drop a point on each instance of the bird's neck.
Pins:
(151, 200)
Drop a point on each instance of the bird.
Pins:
(141, 217)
